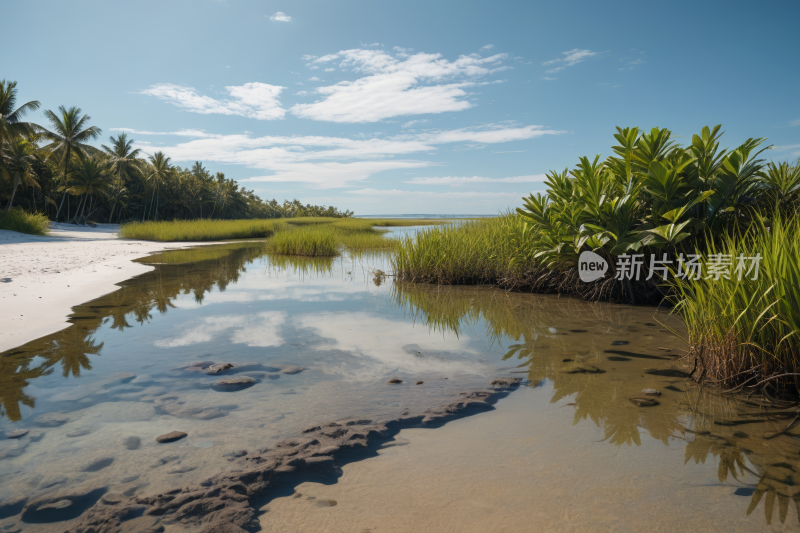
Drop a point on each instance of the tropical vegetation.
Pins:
(54, 170)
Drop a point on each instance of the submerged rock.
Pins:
(505, 383)
(96, 464)
(54, 419)
(17, 433)
(420, 382)
(651, 392)
(233, 384)
(218, 368)
(292, 370)
(586, 369)
(199, 412)
(395, 381)
(80, 432)
(132, 442)
(643, 402)
(172, 436)
(62, 505)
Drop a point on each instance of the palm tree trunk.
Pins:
(66, 162)
(85, 201)
(111, 216)
(13, 191)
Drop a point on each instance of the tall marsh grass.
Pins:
(201, 230)
(30, 223)
(745, 331)
(307, 240)
(326, 239)
(474, 251)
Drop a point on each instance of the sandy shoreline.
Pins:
(41, 278)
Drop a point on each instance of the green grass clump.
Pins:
(19, 220)
(201, 230)
(475, 251)
(744, 331)
(307, 240)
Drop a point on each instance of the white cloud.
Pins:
(261, 329)
(417, 84)
(181, 133)
(252, 100)
(301, 93)
(307, 57)
(571, 57)
(329, 70)
(402, 50)
(793, 149)
(487, 47)
(373, 45)
(548, 78)
(280, 16)
(455, 181)
(415, 122)
(326, 162)
(795, 122)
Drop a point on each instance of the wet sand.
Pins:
(517, 469)
(41, 278)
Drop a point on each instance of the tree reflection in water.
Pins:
(743, 435)
(195, 271)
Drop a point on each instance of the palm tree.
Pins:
(161, 170)
(11, 124)
(17, 158)
(91, 177)
(69, 137)
(122, 157)
(119, 193)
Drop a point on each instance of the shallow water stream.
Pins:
(319, 340)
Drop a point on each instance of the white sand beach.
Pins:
(41, 278)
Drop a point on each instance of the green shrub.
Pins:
(19, 220)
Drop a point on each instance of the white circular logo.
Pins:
(591, 266)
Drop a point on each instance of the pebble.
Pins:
(17, 433)
(292, 370)
(651, 392)
(394, 381)
(619, 343)
(234, 383)
(172, 436)
(420, 382)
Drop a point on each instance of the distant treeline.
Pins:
(53, 170)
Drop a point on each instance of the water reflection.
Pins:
(195, 271)
(745, 437)
(346, 318)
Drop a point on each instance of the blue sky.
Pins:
(407, 107)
